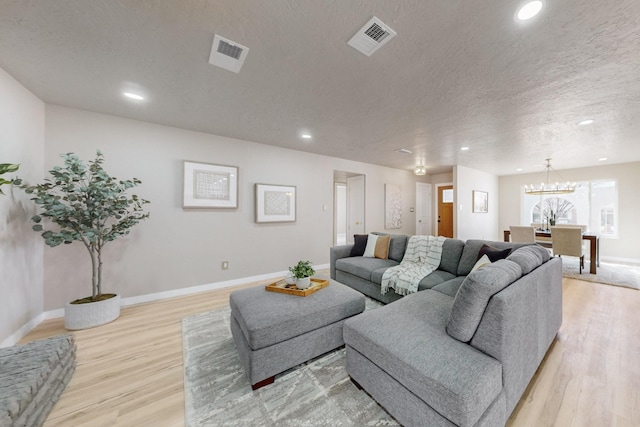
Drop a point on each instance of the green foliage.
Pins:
(302, 269)
(6, 168)
(85, 204)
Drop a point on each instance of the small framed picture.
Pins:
(210, 186)
(480, 201)
(275, 203)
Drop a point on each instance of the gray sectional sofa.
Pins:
(462, 350)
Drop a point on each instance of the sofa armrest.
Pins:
(335, 253)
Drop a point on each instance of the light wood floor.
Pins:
(129, 372)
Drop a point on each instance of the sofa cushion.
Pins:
(434, 278)
(474, 294)
(370, 249)
(382, 247)
(359, 244)
(451, 253)
(407, 339)
(529, 257)
(471, 251)
(397, 246)
(363, 267)
(450, 287)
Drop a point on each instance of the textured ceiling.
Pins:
(459, 73)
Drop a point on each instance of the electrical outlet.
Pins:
(225, 265)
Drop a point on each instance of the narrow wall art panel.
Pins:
(392, 206)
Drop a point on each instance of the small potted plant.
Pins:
(302, 273)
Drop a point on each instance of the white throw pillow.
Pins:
(484, 260)
(370, 250)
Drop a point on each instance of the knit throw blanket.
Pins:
(422, 256)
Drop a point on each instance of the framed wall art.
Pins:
(480, 201)
(210, 186)
(392, 206)
(275, 203)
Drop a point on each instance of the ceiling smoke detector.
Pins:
(227, 54)
(371, 37)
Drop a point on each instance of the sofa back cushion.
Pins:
(529, 257)
(397, 246)
(451, 253)
(473, 296)
(472, 250)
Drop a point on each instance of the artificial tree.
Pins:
(86, 204)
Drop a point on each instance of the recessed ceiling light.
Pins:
(602, 159)
(403, 151)
(529, 10)
(133, 96)
(519, 170)
(464, 148)
(306, 136)
(586, 122)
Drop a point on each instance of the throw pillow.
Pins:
(484, 260)
(382, 247)
(494, 254)
(359, 244)
(370, 250)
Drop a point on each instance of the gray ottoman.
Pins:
(274, 332)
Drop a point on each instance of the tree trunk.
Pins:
(95, 270)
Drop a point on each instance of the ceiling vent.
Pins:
(227, 54)
(371, 37)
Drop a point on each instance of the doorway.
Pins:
(423, 209)
(349, 206)
(444, 224)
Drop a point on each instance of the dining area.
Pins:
(562, 240)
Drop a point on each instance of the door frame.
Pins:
(435, 204)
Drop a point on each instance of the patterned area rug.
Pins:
(609, 274)
(217, 392)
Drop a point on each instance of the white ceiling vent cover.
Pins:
(371, 37)
(227, 54)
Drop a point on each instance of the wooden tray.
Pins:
(282, 287)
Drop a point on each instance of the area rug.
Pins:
(217, 392)
(609, 274)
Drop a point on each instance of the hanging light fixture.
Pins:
(550, 188)
(420, 170)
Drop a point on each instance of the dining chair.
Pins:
(568, 241)
(522, 234)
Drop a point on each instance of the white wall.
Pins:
(21, 141)
(178, 248)
(468, 224)
(623, 248)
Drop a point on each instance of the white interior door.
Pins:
(340, 222)
(423, 209)
(355, 206)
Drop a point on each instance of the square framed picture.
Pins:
(480, 201)
(275, 203)
(210, 186)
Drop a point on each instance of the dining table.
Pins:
(592, 238)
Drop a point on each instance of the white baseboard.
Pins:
(57, 313)
(614, 260)
(24, 330)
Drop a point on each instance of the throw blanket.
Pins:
(422, 256)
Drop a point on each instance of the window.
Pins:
(594, 203)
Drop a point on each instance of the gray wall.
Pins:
(21, 141)
(623, 248)
(178, 248)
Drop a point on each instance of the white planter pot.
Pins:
(289, 279)
(83, 316)
(303, 283)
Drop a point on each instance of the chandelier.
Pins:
(420, 170)
(550, 188)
